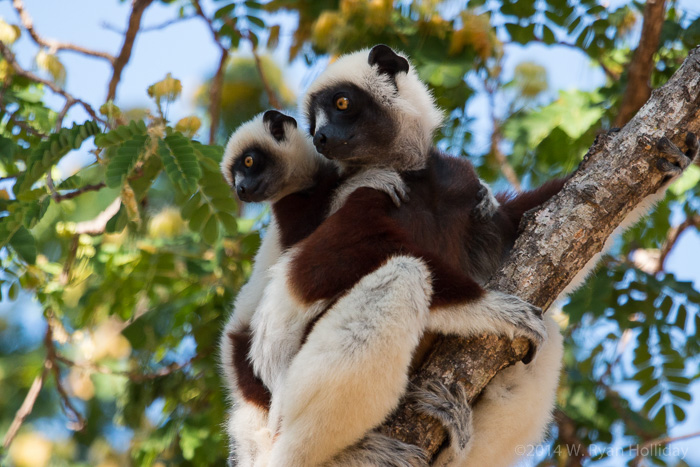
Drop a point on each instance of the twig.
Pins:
(638, 87)
(97, 225)
(657, 442)
(79, 191)
(51, 187)
(215, 90)
(125, 54)
(673, 236)
(26, 407)
(155, 27)
(62, 114)
(133, 376)
(274, 102)
(10, 58)
(218, 80)
(78, 422)
(52, 44)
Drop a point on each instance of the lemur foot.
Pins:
(487, 204)
(451, 407)
(527, 320)
(378, 449)
(675, 161)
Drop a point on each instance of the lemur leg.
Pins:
(487, 204)
(495, 313)
(377, 449)
(515, 408)
(353, 368)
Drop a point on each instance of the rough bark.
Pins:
(642, 64)
(618, 172)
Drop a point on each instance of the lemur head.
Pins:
(370, 108)
(268, 158)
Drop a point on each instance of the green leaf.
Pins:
(199, 217)
(210, 233)
(191, 205)
(24, 245)
(124, 160)
(13, 292)
(229, 222)
(180, 162)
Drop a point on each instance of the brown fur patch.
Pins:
(357, 240)
(251, 387)
(299, 214)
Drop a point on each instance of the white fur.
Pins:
(247, 301)
(515, 408)
(278, 326)
(412, 106)
(353, 368)
(386, 180)
(495, 313)
(296, 149)
(250, 439)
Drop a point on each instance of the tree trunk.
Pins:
(557, 241)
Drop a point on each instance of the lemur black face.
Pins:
(253, 173)
(352, 126)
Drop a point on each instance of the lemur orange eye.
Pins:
(342, 103)
(248, 161)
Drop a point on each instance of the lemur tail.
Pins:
(515, 205)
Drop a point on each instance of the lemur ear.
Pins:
(275, 121)
(387, 60)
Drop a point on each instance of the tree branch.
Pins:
(217, 83)
(558, 241)
(274, 102)
(26, 407)
(10, 58)
(673, 235)
(52, 44)
(137, 9)
(639, 77)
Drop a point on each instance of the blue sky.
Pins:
(186, 50)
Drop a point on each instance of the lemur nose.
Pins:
(240, 190)
(320, 140)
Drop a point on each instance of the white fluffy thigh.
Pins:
(352, 370)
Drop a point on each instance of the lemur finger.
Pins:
(395, 198)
